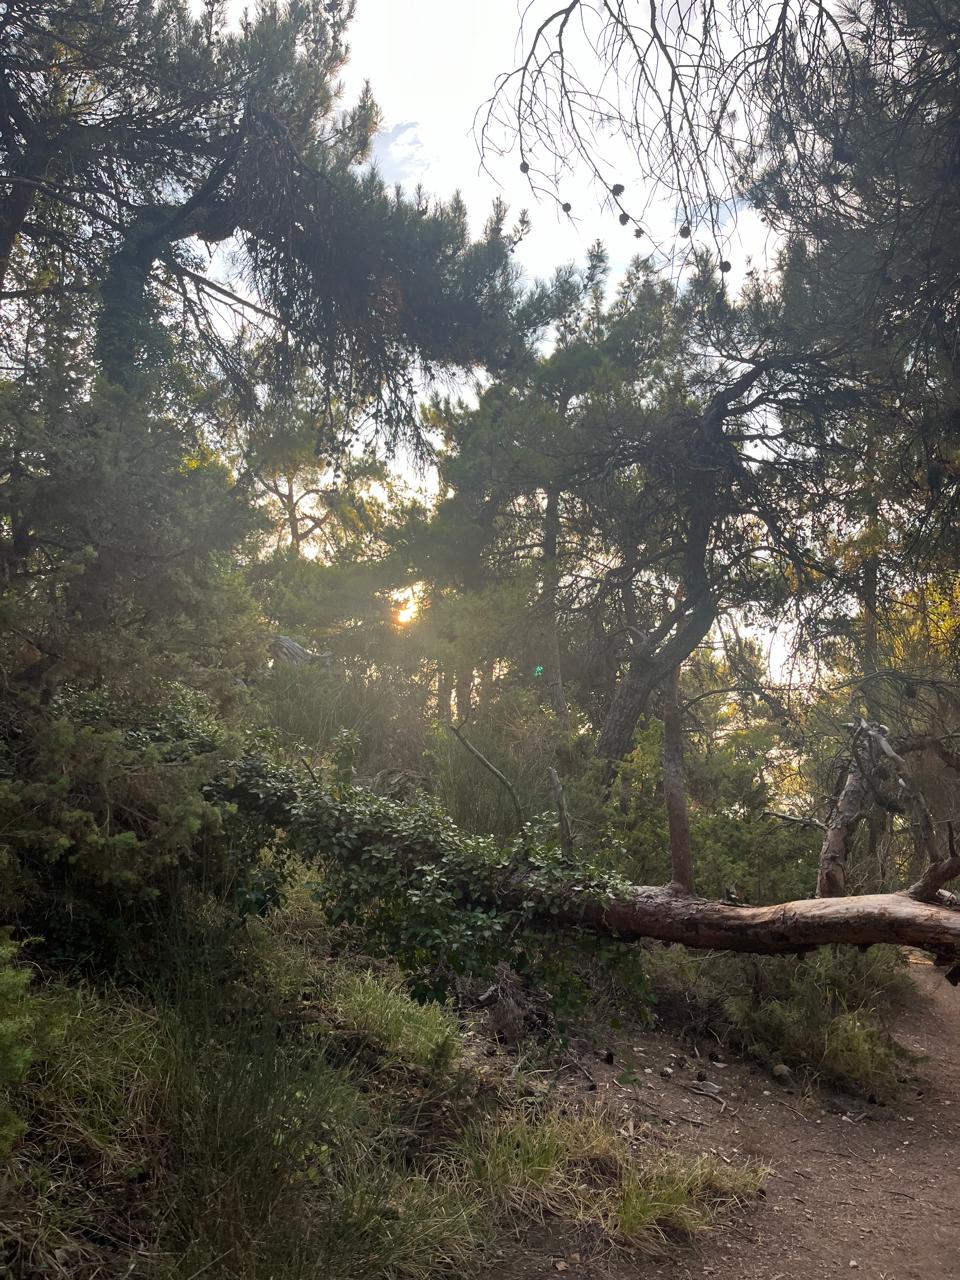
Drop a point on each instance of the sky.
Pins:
(432, 64)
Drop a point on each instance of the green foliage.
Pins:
(126, 527)
(737, 846)
(822, 1016)
(378, 1009)
(516, 736)
(309, 706)
(16, 1023)
(105, 826)
(422, 921)
(673, 1195)
(590, 982)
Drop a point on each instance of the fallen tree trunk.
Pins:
(409, 863)
(777, 930)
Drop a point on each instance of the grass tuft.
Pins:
(670, 1196)
(378, 1008)
(541, 1160)
(221, 1131)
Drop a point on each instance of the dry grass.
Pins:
(542, 1160)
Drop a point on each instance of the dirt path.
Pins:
(873, 1196)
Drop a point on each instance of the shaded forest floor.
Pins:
(854, 1189)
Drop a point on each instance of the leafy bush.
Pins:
(411, 886)
(104, 822)
(820, 1015)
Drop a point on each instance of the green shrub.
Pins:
(16, 1024)
(820, 1015)
(104, 823)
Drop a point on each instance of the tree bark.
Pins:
(13, 214)
(463, 692)
(645, 672)
(292, 517)
(674, 788)
(444, 694)
(548, 608)
(563, 814)
(124, 328)
(841, 825)
(781, 929)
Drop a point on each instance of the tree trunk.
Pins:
(292, 517)
(841, 825)
(674, 788)
(919, 917)
(780, 929)
(463, 692)
(645, 672)
(563, 814)
(487, 685)
(13, 214)
(125, 328)
(548, 610)
(444, 694)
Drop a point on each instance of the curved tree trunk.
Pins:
(13, 214)
(674, 787)
(781, 929)
(571, 897)
(124, 327)
(645, 672)
(841, 825)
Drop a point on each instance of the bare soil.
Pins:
(853, 1190)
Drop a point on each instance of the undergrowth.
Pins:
(274, 1112)
(540, 1160)
(819, 1015)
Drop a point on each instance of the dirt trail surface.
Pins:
(858, 1191)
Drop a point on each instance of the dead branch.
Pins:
(563, 813)
(490, 767)
(796, 819)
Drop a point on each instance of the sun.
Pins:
(407, 607)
